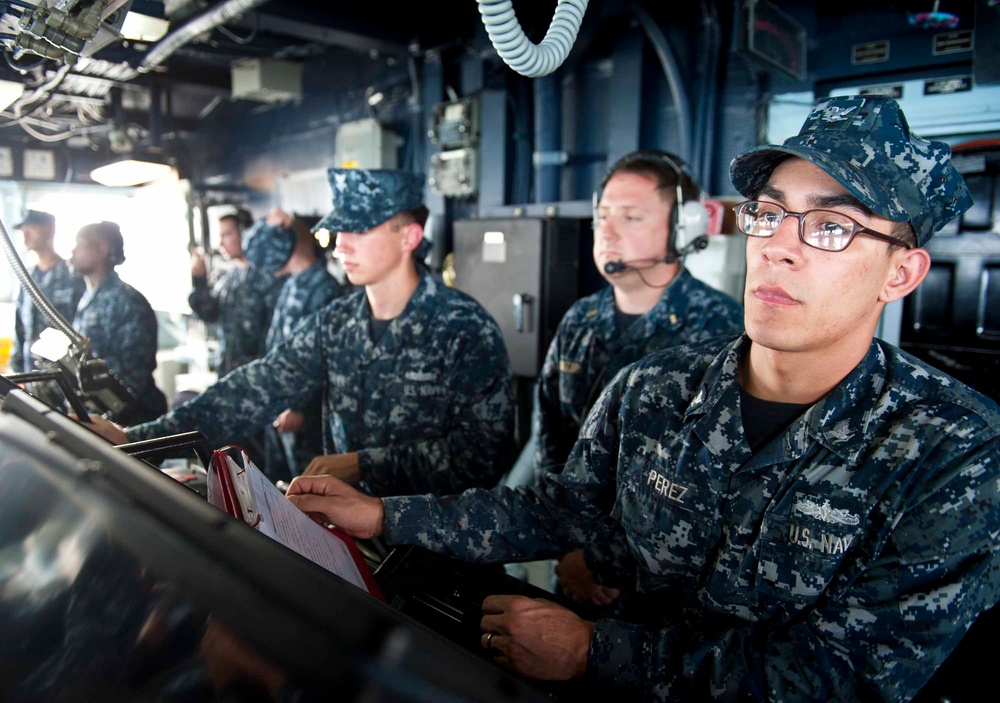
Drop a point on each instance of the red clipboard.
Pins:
(219, 472)
(230, 503)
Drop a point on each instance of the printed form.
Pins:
(265, 508)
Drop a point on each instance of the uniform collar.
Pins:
(309, 271)
(669, 313)
(416, 309)
(720, 376)
(840, 421)
(58, 266)
(110, 280)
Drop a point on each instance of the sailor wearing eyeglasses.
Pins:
(812, 511)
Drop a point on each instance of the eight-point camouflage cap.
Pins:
(365, 198)
(866, 145)
(268, 247)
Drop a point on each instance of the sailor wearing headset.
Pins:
(647, 219)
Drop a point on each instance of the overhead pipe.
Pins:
(668, 62)
(205, 22)
(548, 157)
(704, 114)
(710, 115)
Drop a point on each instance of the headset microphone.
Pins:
(699, 243)
(613, 267)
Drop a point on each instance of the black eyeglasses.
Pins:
(821, 229)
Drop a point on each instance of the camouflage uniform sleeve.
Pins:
(249, 397)
(610, 561)
(563, 512)
(551, 444)
(887, 629)
(203, 301)
(307, 404)
(475, 447)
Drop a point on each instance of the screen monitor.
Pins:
(117, 583)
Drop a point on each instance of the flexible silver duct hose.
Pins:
(53, 315)
(517, 51)
(205, 22)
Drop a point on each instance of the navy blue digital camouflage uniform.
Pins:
(61, 288)
(121, 326)
(804, 572)
(212, 303)
(303, 294)
(242, 300)
(428, 407)
(843, 560)
(589, 350)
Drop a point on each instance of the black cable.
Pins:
(18, 67)
(616, 267)
(647, 283)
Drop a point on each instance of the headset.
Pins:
(689, 218)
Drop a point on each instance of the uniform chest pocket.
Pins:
(414, 402)
(668, 535)
(799, 558)
(574, 387)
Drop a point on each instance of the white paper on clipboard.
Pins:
(266, 509)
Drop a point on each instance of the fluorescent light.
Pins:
(375, 98)
(138, 27)
(9, 92)
(130, 172)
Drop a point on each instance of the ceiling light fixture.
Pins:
(145, 21)
(144, 28)
(131, 171)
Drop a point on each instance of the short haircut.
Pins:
(904, 231)
(656, 165)
(111, 234)
(417, 215)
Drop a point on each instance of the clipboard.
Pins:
(237, 487)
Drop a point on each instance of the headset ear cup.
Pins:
(692, 222)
